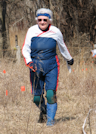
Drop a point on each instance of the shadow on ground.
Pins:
(65, 119)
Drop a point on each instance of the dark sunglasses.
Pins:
(42, 19)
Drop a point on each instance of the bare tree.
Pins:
(3, 34)
(1, 40)
(4, 26)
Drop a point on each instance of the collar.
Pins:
(46, 28)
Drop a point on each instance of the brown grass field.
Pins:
(76, 95)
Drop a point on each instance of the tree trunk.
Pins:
(1, 39)
(76, 22)
(4, 27)
(3, 36)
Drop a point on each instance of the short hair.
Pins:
(44, 12)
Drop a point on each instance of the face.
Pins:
(43, 22)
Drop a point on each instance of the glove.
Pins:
(32, 66)
(70, 62)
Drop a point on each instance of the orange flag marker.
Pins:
(86, 69)
(4, 71)
(22, 88)
(6, 92)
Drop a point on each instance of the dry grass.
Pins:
(76, 94)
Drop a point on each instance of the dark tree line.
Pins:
(71, 16)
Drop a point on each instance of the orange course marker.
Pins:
(86, 69)
(22, 88)
(4, 71)
(6, 92)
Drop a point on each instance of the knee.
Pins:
(51, 96)
(36, 100)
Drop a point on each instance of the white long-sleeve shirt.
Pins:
(44, 43)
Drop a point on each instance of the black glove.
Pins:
(70, 62)
(32, 66)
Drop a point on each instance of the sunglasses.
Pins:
(42, 19)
